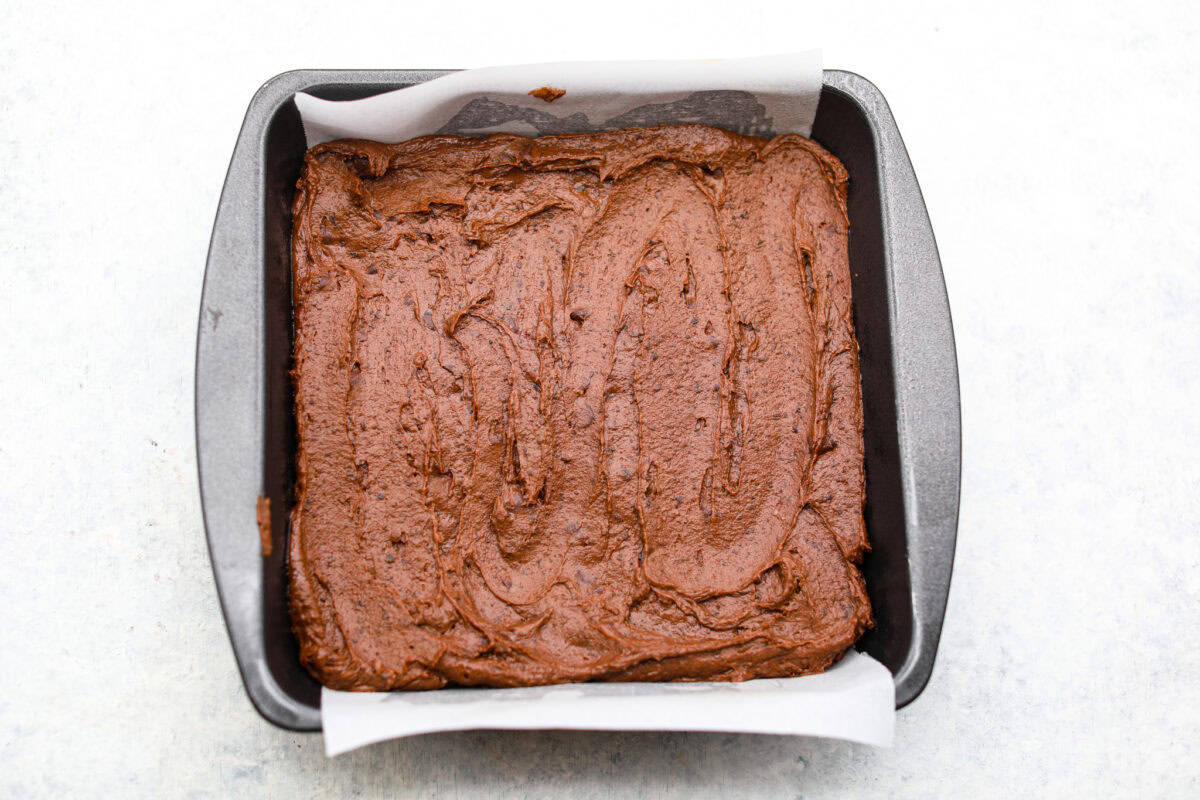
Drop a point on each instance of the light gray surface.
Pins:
(1056, 153)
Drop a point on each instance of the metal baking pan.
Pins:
(245, 436)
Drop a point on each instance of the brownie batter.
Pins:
(547, 93)
(262, 516)
(572, 408)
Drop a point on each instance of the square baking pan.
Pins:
(246, 438)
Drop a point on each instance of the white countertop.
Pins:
(1057, 152)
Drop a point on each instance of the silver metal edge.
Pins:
(926, 384)
(229, 397)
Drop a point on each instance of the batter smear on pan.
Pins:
(583, 407)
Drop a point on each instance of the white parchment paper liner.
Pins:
(764, 96)
(853, 700)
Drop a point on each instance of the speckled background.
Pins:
(1056, 149)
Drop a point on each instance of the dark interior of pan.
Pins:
(845, 131)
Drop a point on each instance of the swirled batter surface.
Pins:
(571, 408)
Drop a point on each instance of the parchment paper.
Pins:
(854, 700)
(763, 96)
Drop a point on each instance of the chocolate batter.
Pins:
(577, 407)
(262, 516)
(547, 93)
